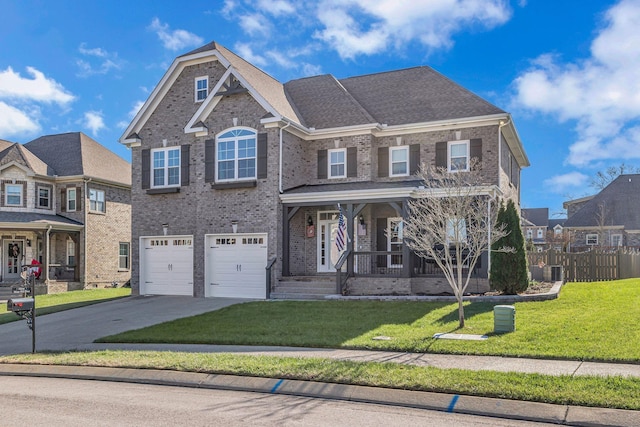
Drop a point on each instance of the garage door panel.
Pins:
(167, 266)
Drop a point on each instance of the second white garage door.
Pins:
(235, 265)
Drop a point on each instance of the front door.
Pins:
(13, 257)
(328, 253)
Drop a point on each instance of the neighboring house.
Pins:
(65, 203)
(607, 220)
(541, 232)
(233, 171)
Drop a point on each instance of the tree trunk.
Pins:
(461, 312)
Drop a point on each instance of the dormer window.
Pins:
(202, 88)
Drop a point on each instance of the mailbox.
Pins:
(20, 304)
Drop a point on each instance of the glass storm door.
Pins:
(12, 259)
(328, 253)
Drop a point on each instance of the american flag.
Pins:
(341, 234)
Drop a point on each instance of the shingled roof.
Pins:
(618, 204)
(536, 216)
(412, 95)
(75, 154)
(18, 154)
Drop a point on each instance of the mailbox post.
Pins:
(25, 308)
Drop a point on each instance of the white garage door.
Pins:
(166, 265)
(235, 266)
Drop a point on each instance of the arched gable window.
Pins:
(236, 154)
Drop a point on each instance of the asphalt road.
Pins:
(65, 402)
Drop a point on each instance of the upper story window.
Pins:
(44, 197)
(96, 200)
(557, 231)
(202, 88)
(338, 163)
(165, 166)
(236, 155)
(71, 200)
(616, 240)
(399, 161)
(540, 233)
(592, 239)
(529, 234)
(13, 194)
(458, 156)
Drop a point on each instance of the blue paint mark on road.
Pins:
(275, 387)
(453, 403)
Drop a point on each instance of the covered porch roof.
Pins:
(36, 221)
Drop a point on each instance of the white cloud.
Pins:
(600, 93)
(39, 88)
(246, 52)
(14, 122)
(276, 7)
(560, 183)
(357, 27)
(255, 24)
(94, 121)
(134, 110)
(176, 39)
(106, 61)
(311, 70)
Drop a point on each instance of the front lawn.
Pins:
(590, 321)
(46, 304)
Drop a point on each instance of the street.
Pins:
(65, 402)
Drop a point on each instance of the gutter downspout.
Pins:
(48, 245)
(281, 155)
(84, 232)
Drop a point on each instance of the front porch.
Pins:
(376, 260)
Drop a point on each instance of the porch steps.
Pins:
(304, 287)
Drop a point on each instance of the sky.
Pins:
(567, 71)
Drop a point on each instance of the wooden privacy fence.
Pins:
(592, 266)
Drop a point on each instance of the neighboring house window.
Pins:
(456, 230)
(71, 252)
(44, 197)
(529, 234)
(399, 161)
(236, 155)
(71, 200)
(13, 195)
(458, 158)
(557, 231)
(96, 200)
(123, 257)
(338, 163)
(165, 164)
(540, 233)
(616, 240)
(202, 88)
(592, 239)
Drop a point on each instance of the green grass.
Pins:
(590, 321)
(607, 392)
(46, 304)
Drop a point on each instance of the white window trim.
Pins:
(400, 236)
(71, 252)
(195, 85)
(166, 167)
(619, 237)
(468, 154)
(540, 233)
(235, 158)
(73, 199)
(96, 201)
(344, 163)
(529, 234)
(456, 230)
(591, 237)
(128, 256)
(48, 189)
(6, 195)
(399, 148)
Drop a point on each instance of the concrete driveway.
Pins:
(74, 329)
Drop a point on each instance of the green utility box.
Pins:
(504, 318)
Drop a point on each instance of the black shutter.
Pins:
(383, 162)
(209, 160)
(381, 241)
(475, 149)
(63, 200)
(322, 164)
(146, 169)
(414, 158)
(262, 156)
(185, 151)
(79, 206)
(352, 162)
(441, 155)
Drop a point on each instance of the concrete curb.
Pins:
(472, 405)
(501, 299)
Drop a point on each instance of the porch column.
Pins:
(287, 214)
(350, 238)
(407, 259)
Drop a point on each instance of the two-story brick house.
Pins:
(233, 171)
(65, 202)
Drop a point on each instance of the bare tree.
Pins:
(453, 222)
(604, 178)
